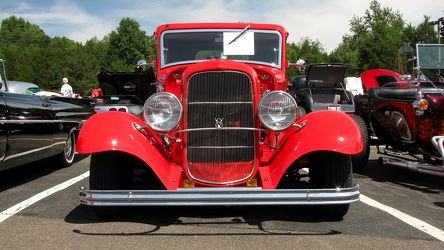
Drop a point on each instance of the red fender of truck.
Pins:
(114, 130)
(324, 131)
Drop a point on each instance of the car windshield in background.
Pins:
(251, 46)
(31, 91)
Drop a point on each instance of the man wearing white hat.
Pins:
(66, 89)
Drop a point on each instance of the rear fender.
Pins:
(114, 130)
(324, 130)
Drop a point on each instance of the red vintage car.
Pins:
(220, 129)
(405, 117)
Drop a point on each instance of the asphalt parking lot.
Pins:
(399, 209)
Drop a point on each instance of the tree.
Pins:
(377, 37)
(128, 43)
(345, 54)
(425, 33)
(22, 33)
(309, 50)
(23, 46)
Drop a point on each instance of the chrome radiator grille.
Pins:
(220, 100)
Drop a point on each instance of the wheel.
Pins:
(66, 157)
(360, 160)
(331, 170)
(104, 175)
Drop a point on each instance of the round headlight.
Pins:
(277, 110)
(162, 111)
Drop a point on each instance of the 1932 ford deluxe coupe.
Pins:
(220, 129)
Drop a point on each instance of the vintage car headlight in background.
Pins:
(277, 110)
(162, 111)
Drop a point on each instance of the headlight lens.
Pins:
(162, 111)
(277, 110)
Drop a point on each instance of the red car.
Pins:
(220, 129)
(406, 118)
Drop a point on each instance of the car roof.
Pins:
(20, 87)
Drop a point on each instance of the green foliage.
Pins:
(377, 37)
(345, 54)
(129, 43)
(309, 50)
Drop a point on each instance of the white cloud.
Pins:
(324, 20)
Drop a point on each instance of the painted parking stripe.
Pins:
(26, 203)
(412, 221)
(416, 223)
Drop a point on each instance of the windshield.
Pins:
(31, 91)
(253, 46)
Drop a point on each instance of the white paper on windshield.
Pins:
(244, 45)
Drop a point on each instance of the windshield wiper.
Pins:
(240, 34)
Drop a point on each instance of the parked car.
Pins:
(123, 91)
(37, 127)
(27, 88)
(324, 88)
(219, 130)
(404, 117)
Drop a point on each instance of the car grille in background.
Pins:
(220, 99)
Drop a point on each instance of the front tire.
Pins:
(331, 170)
(360, 160)
(104, 175)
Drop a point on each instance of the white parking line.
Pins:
(412, 221)
(26, 203)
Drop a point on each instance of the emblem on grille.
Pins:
(219, 122)
(129, 86)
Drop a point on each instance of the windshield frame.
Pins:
(278, 51)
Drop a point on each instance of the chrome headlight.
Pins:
(277, 110)
(162, 111)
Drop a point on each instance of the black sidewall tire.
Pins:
(360, 160)
(104, 175)
(331, 170)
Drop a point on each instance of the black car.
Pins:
(323, 88)
(35, 127)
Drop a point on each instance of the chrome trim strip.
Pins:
(21, 154)
(233, 196)
(220, 103)
(212, 128)
(28, 121)
(221, 147)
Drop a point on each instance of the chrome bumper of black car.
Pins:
(219, 197)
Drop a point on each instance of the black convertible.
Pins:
(35, 127)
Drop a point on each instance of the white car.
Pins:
(27, 88)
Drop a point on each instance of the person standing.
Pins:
(66, 89)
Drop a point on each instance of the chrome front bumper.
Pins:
(219, 197)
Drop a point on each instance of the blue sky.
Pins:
(324, 20)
